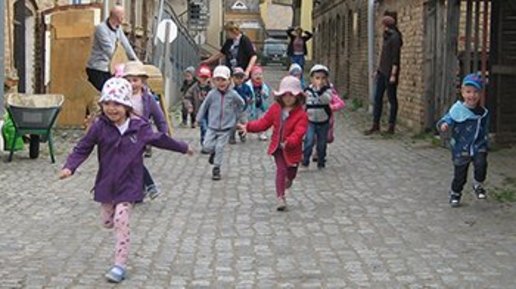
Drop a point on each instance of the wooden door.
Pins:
(501, 97)
(69, 35)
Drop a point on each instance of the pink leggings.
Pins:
(117, 216)
(285, 175)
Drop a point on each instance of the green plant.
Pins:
(356, 103)
(505, 195)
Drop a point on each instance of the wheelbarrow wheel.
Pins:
(34, 146)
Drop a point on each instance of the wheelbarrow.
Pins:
(34, 115)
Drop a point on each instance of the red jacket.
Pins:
(294, 129)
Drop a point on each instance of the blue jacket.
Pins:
(252, 109)
(245, 92)
(469, 132)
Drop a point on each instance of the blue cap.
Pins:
(473, 79)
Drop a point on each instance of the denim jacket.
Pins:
(469, 132)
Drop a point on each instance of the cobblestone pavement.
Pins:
(376, 217)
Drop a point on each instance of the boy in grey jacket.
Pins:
(319, 113)
(223, 106)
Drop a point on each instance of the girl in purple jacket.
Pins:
(120, 138)
(146, 107)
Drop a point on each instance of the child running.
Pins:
(145, 106)
(319, 95)
(197, 93)
(259, 102)
(246, 94)
(120, 140)
(467, 121)
(297, 71)
(289, 122)
(222, 106)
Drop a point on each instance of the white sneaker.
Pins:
(263, 137)
(281, 205)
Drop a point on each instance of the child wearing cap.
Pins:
(197, 93)
(319, 95)
(120, 138)
(145, 106)
(245, 93)
(467, 120)
(259, 102)
(289, 123)
(222, 106)
(188, 108)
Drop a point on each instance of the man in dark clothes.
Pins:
(387, 75)
(238, 50)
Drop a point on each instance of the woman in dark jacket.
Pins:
(238, 50)
(297, 47)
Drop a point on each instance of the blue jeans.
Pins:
(203, 126)
(299, 59)
(147, 178)
(319, 131)
(382, 84)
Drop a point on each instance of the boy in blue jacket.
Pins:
(468, 122)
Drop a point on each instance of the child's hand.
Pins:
(444, 127)
(190, 151)
(64, 173)
(242, 128)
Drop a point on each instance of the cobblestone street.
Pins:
(376, 217)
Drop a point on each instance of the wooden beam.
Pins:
(467, 48)
(450, 51)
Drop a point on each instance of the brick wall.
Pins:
(349, 60)
(340, 42)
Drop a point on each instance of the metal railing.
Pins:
(184, 52)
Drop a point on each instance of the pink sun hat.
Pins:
(289, 84)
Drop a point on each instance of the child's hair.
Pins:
(300, 100)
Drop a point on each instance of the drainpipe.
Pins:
(370, 49)
(106, 10)
(2, 61)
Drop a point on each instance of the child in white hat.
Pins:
(222, 107)
(120, 139)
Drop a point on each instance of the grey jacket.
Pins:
(318, 104)
(221, 108)
(104, 45)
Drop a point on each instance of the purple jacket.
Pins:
(151, 109)
(119, 178)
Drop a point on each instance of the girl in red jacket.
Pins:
(289, 122)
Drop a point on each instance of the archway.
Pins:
(24, 36)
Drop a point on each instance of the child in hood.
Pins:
(467, 120)
(259, 102)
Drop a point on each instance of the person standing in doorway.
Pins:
(387, 75)
(105, 40)
(297, 46)
(238, 50)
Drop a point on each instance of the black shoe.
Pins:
(480, 192)
(242, 136)
(232, 141)
(216, 174)
(321, 166)
(212, 158)
(455, 199)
